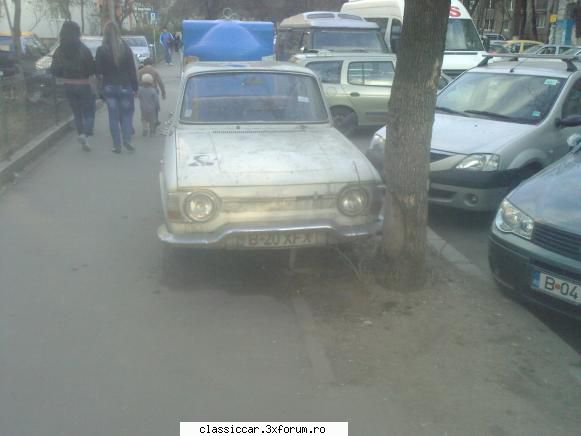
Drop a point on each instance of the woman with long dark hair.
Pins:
(73, 62)
(118, 81)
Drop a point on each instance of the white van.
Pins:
(464, 48)
(311, 32)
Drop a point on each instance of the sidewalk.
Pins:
(457, 358)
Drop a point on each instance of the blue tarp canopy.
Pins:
(225, 40)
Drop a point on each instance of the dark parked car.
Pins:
(32, 50)
(535, 241)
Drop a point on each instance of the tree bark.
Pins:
(517, 18)
(16, 31)
(530, 31)
(82, 4)
(409, 131)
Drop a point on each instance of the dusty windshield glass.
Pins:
(252, 97)
(462, 35)
(348, 40)
(507, 97)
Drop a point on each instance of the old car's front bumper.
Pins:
(512, 261)
(229, 237)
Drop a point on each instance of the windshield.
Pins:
(93, 44)
(135, 41)
(462, 36)
(349, 40)
(252, 97)
(507, 97)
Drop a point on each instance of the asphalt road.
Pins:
(468, 233)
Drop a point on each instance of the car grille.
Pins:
(559, 241)
(253, 205)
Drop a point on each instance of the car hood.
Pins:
(258, 157)
(552, 196)
(466, 135)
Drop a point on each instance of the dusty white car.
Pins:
(252, 161)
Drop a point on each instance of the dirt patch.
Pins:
(460, 356)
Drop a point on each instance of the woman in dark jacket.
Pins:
(73, 62)
(118, 80)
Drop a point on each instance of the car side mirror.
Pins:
(569, 121)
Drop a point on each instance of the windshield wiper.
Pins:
(450, 111)
(492, 115)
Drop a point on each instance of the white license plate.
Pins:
(557, 287)
(280, 239)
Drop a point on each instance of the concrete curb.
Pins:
(453, 256)
(27, 153)
(24, 155)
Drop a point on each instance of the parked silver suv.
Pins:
(497, 125)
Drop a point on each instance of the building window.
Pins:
(541, 21)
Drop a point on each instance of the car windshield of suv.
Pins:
(349, 40)
(253, 97)
(504, 97)
(462, 36)
(135, 42)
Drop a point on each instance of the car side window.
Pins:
(572, 104)
(328, 72)
(527, 46)
(514, 48)
(563, 49)
(548, 50)
(370, 73)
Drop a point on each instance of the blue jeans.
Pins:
(121, 106)
(82, 102)
(167, 53)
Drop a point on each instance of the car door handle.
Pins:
(354, 94)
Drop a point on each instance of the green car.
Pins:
(535, 239)
(357, 86)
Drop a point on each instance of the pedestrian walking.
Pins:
(177, 44)
(117, 75)
(166, 39)
(74, 64)
(149, 69)
(149, 104)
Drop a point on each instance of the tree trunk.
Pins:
(82, 4)
(517, 18)
(16, 31)
(409, 132)
(530, 31)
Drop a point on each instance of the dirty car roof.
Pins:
(203, 67)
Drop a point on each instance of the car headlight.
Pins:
(201, 206)
(480, 162)
(353, 201)
(377, 143)
(510, 219)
